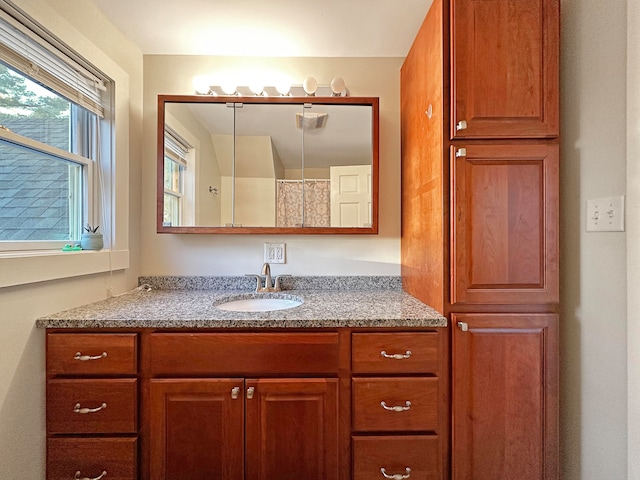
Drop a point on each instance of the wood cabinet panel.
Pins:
(292, 429)
(416, 400)
(505, 396)
(396, 454)
(505, 225)
(69, 458)
(91, 354)
(196, 429)
(424, 174)
(395, 352)
(243, 353)
(505, 64)
(92, 406)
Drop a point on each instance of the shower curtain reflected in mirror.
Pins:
(316, 204)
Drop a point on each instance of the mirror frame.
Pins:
(373, 102)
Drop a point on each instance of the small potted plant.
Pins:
(91, 240)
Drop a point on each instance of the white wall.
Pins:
(22, 366)
(633, 237)
(306, 254)
(593, 265)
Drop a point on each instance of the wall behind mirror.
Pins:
(267, 165)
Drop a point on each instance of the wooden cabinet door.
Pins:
(292, 429)
(505, 224)
(505, 396)
(505, 68)
(196, 429)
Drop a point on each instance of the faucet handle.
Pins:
(276, 284)
(258, 280)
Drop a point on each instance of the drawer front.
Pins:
(91, 354)
(395, 404)
(243, 353)
(91, 457)
(395, 352)
(395, 455)
(92, 406)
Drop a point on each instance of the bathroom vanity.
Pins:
(162, 384)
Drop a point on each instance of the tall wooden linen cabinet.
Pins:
(480, 230)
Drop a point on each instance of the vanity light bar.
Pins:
(309, 88)
(294, 91)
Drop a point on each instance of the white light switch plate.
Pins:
(275, 252)
(605, 214)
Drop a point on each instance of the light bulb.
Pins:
(257, 88)
(201, 84)
(338, 85)
(228, 89)
(283, 88)
(310, 85)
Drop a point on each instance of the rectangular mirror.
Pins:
(267, 165)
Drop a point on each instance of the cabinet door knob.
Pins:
(102, 475)
(250, 392)
(86, 358)
(235, 392)
(78, 409)
(464, 326)
(397, 408)
(396, 356)
(396, 476)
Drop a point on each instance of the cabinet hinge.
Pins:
(462, 125)
(464, 326)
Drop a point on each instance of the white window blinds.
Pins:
(23, 50)
(175, 147)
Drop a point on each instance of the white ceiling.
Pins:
(273, 28)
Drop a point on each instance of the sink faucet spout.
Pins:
(266, 271)
(269, 286)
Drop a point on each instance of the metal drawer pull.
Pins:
(235, 391)
(77, 409)
(397, 408)
(396, 356)
(250, 392)
(397, 476)
(102, 475)
(86, 358)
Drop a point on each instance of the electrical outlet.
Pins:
(605, 214)
(275, 252)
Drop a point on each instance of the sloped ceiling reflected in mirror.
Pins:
(343, 138)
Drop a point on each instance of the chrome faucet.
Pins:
(268, 286)
(266, 271)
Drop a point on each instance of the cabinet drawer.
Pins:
(415, 401)
(419, 453)
(395, 352)
(243, 353)
(90, 457)
(92, 406)
(91, 354)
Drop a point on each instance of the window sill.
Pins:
(20, 268)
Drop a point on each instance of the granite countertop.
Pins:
(190, 302)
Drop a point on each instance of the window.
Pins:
(176, 151)
(52, 109)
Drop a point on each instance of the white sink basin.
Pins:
(259, 304)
